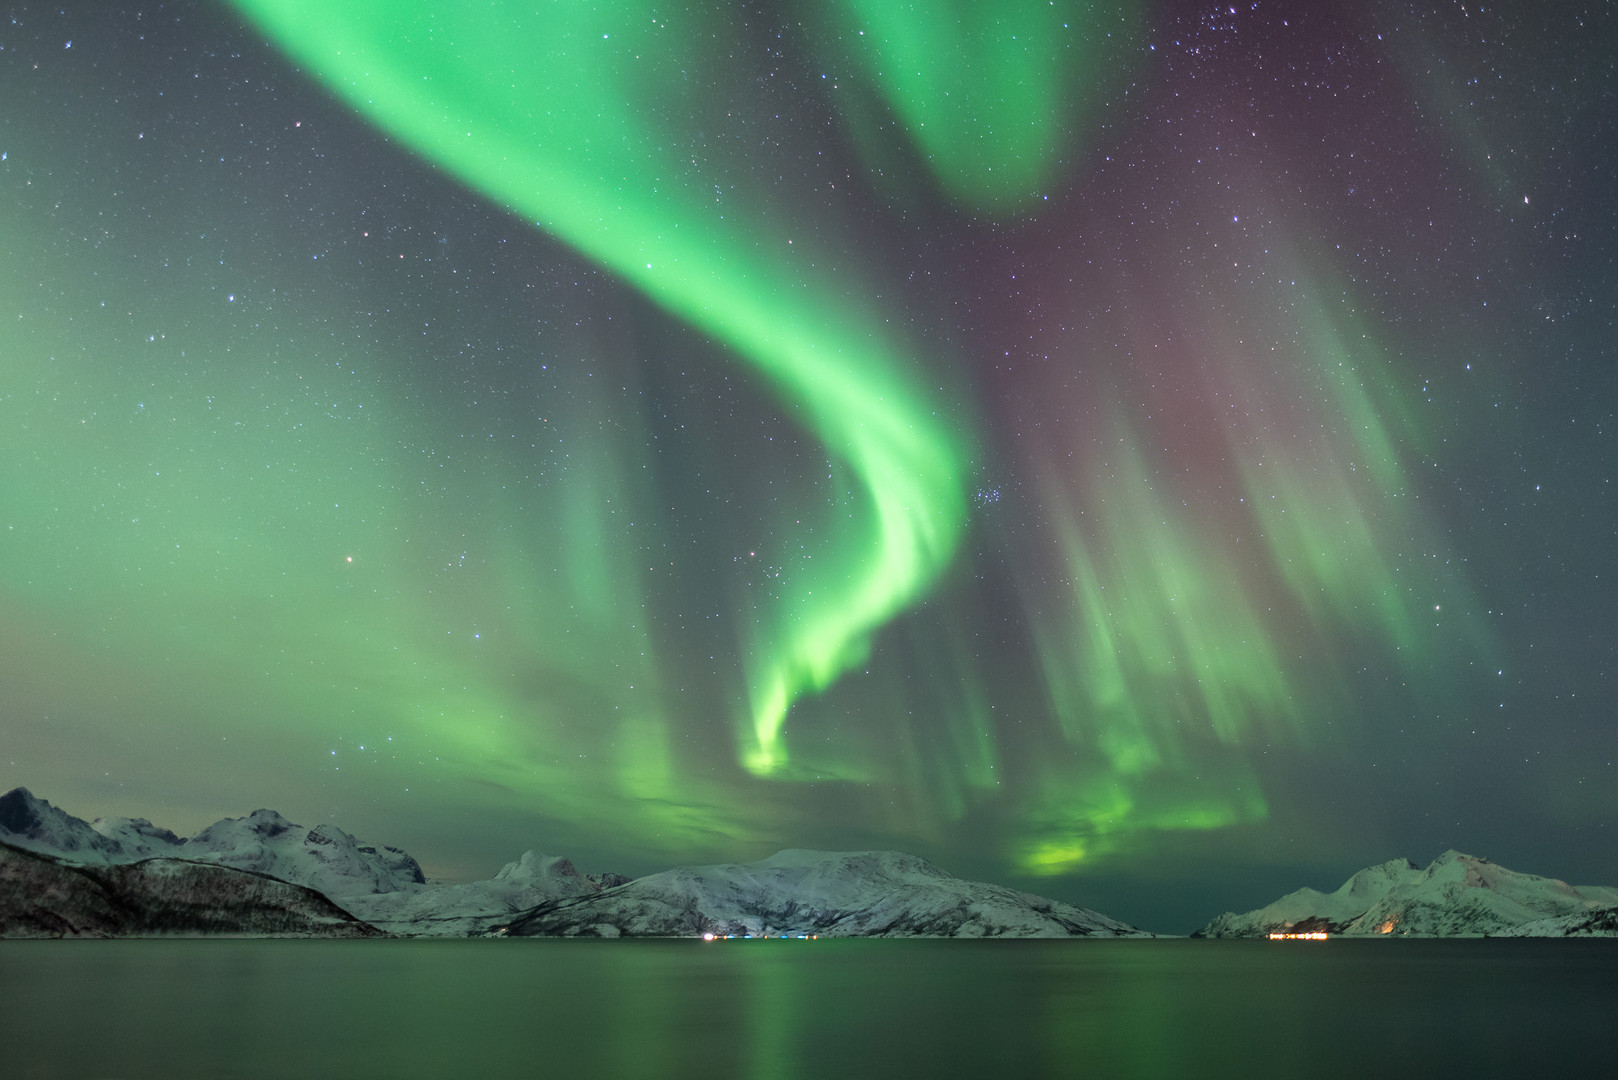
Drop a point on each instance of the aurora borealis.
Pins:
(1086, 444)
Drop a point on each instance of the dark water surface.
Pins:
(812, 1009)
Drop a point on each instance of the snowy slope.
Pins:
(324, 858)
(1460, 894)
(833, 894)
(33, 824)
(1310, 909)
(1602, 922)
(1455, 896)
(137, 837)
(472, 908)
(41, 896)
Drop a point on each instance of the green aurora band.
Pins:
(556, 115)
(987, 92)
(233, 512)
(561, 115)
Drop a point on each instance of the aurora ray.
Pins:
(557, 116)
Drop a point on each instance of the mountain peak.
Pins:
(19, 810)
(268, 823)
(533, 866)
(32, 823)
(1453, 856)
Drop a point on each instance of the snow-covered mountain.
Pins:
(1455, 896)
(1310, 909)
(380, 884)
(324, 858)
(832, 894)
(136, 836)
(35, 825)
(472, 908)
(876, 894)
(42, 896)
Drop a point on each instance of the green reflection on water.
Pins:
(788, 1009)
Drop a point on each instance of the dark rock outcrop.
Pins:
(41, 896)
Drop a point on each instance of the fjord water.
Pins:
(810, 1009)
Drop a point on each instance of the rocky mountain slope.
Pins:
(1455, 896)
(831, 894)
(41, 896)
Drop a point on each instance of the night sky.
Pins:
(1153, 455)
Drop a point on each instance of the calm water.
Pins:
(819, 1009)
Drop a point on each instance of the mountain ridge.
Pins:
(382, 885)
(42, 896)
(826, 894)
(869, 894)
(96, 870)
(1456, 895)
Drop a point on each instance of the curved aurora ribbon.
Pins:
(562, 116)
